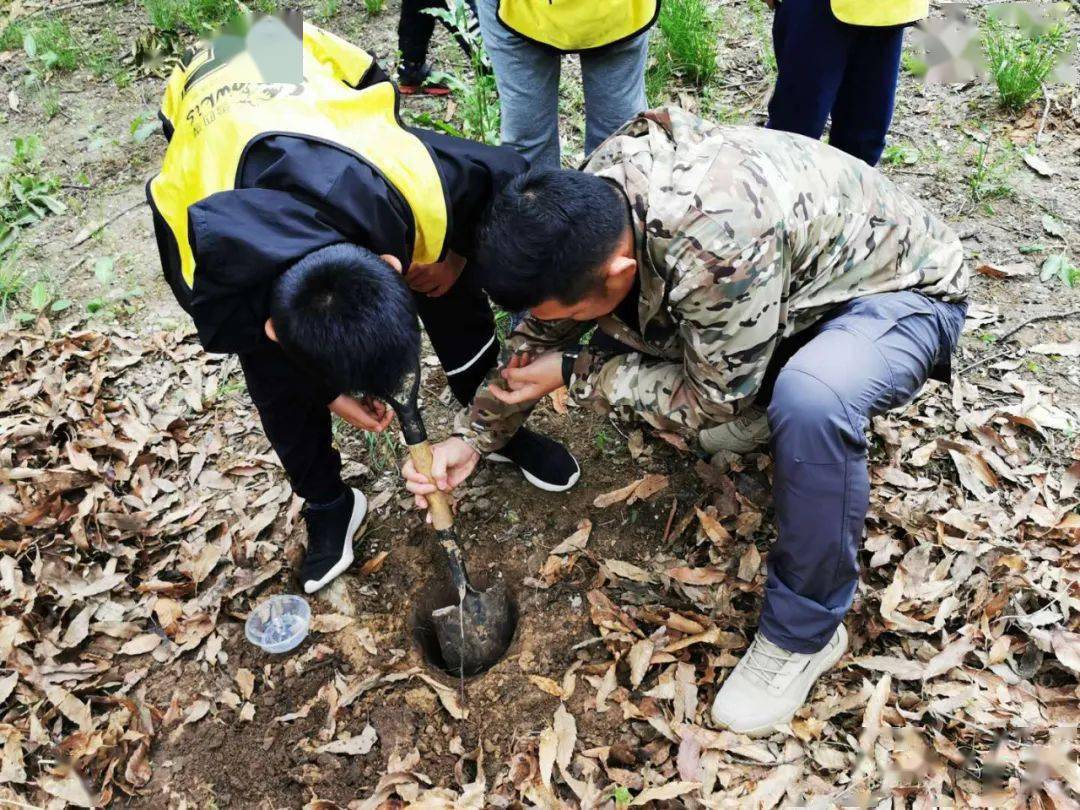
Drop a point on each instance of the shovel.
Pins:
(474, 632)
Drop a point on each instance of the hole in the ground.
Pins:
(439, 593)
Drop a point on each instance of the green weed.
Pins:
(11, 38)
(12, 281)
(113, 299)
(990, 176)
(103, 60)
(1059, 265)
(27, 193)
(198, 16)
(477, 100)
(690, 32)
(761, 25)
(50, 44)
(912, 64)
(658, 73)
(49, 97)
(1020, 62)
(900, 154)
(374, 6)
(381, 451)
(328, 9)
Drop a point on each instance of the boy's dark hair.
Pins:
(545, 234)
(348, 316)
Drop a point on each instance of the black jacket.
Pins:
(294, 196)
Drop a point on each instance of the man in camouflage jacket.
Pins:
(728, 270)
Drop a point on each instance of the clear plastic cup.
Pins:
(279, 623)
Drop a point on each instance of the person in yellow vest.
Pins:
(287, 208)
(526, 40)
(839, 58)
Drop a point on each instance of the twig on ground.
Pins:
(670, 519)
(66, 7)
(1042, 122)
(1053, 316)
(86, 233)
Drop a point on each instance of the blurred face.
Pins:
(615, 280)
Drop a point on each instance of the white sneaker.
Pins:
(769, 684)
(742, 435)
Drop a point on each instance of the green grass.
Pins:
(49, 98)
(658, 73)
(1019, 62)
(328, 9)
(476, 96)
(381, 451)
(990, 176)
(374, 6)
(690, 32)
(198, 16)
(12, 282)
(761, 26)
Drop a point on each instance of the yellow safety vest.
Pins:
(572, 26)
(880, 12)
(227, 108)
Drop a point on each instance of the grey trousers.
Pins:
(872, 355)
(527, 77)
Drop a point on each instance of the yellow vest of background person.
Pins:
(880, 12)
(572, 26)
(218, 108)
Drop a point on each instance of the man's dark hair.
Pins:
(348, 316)
(545, 235)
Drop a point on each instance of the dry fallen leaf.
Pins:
(330, 622)
(639, 490)
(696, 576)
(547, 685)
(639, 657)
(352, 746)
(576, 541)
(447, 697)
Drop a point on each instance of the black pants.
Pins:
(293, 406)
(415, 28)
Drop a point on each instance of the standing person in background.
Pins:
(839, 58)
(415, 28)
(526, 40)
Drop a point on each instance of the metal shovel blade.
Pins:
(474, 635)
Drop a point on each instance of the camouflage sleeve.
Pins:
(726, 306)
(487, 424)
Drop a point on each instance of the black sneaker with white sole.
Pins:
(331, 528)
(544, 462)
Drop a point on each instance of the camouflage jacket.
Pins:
(745, 236)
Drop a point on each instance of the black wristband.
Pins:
(569, 357)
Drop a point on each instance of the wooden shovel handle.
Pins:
(442, 517)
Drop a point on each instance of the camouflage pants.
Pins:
(873, 355)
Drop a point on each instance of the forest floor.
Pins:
(142, 514)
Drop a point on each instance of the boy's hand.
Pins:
(529, 379)
(367, 414)
(435, 279)
(452, 461)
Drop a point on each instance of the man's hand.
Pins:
(367, 413)
(529, 379)
(452, 461)
(435, 279)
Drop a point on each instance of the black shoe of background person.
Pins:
(331, 528)
(414, 79)
(544, 462)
